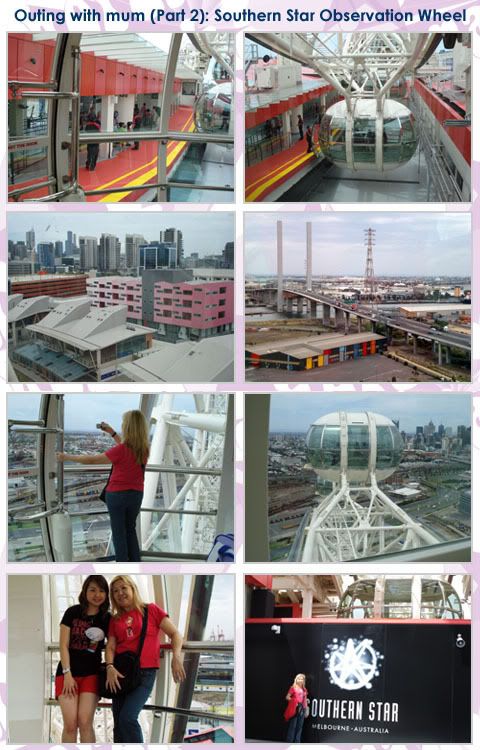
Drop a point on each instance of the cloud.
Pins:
(407, 244)
(296, 412)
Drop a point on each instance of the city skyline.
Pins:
(204, 235)
(296, 412)
(338, 244)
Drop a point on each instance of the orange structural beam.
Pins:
(262, 114)
(460, 136)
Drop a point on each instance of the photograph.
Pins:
(90, 299)
(358, 658)
(337, 477)
(121, 117)
(370, 116)
(99, 477)
(358, 297)
(120, 659)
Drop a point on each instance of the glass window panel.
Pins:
(25, 540)
(358, 446)
(389, 447)
(330, 455)
(27, 164)
(27, 118)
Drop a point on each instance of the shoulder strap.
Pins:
(144, 630)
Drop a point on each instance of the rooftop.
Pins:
(206, 361)
(25, 308)
(447, 307)
(88, 328)
(31, 277)
(312, 345)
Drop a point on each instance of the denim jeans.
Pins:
(126, 709)
(123, 508)
(295, 726)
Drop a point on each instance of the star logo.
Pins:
(352, 664)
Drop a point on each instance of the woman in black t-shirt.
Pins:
(82, 635)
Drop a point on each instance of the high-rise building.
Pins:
(46, 254)
(19, 250)
(158, 255)
(228, 255)
(172, 236)
(132, 249)
(30, 242)
(109, 253)
(30, 239)
(58, 248)
(429, 430)
(71, 243)
(88, 253)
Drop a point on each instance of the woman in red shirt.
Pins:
(296, 708)
(124, 491)
(123, 635)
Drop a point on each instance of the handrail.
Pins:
(159, 468)
(34, 84)
(25, 422)
(151, 185)
(134, 136)
(100, 512)
(37, 430)
(31, 188)
(48, 95)
(158, 554)
(166, 709)
(193, 647)
(42, 514)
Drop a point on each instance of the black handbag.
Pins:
(103, 495)
(128, 664)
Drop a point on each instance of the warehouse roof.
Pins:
(312, 345)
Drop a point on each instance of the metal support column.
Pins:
(197, 620)
(164, 119)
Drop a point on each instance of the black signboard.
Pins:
(374, 682)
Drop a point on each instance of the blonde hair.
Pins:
(135, 435)
(137, 600)
(302, 676)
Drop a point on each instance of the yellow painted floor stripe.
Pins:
(188, 125)
(272, 172)
(144, 178)
(256, 193)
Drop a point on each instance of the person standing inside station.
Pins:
(309, 137)
(92, 126)
(300, 127)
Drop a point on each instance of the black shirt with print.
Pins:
(85, 655)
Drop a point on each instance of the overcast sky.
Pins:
(295, 412)
(84, 410)
(415, 243)
(203, 233)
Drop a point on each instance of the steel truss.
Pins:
(356, 522)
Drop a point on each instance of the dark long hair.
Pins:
(102, 584)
